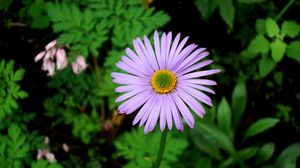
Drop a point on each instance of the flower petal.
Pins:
(194, 67)
(157, 49)
(50, 45)
(152, 58)
(191, 102)
(185, 112)
(198, 95)
(199, 81)
(189, 59)
(39, 56)
(199, 74)
(173, 48)
(175, 114)
(145, 108)
(182, 55)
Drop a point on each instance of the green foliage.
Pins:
(13, 147)
(141, 150)
(44, 164)
(226, 10)
(260, 126)
(87, 28)
(217, 137)
(75, 96)
(265, 66)
(278, 49)
(238, 101)
(272, 27)
(265, 153)
(274, 42)
(5, 5)
(290, 29)
(293, 50)
(289, 156)
(10, 91)
(37, 14)
(224, 116)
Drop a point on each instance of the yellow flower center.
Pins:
(163, 81)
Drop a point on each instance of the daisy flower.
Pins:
(163, 82)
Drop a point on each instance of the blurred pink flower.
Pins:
(52, 56)
(65, 147)
(51, 158)
(79, 65)
(49, 66)
(46, 140)
(39, 56)
(61, 59)
(50, 45)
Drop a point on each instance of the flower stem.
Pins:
(286, 7)
(163, 140)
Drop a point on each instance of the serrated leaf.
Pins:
(260, 126)
(290, 29)
(293, 50)
(227, 11)
(224, 116)
(265, 153)
(289, 156)
(265, 66)
(239, 101)
(259, 45)
(271, 27)
(278, 49)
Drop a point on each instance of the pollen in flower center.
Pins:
(163, 81)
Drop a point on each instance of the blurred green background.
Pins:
(71, 121)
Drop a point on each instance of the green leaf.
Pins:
(260, 26)
(290, 29)
(36, 11)
(243, 154)
(224, 116)
(289, 156)
(271, 27)
(206, 7)
(260, 126)
(278, 49)
(293, 50)
(217, 136)
(239, 101)
(44, 164)
(18, 75)
(265, 153)
(259, 45)
(278, 77)
(227, 11)
(266, 65)
(143, 150)
(204, 143)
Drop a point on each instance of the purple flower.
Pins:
(164, 83)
